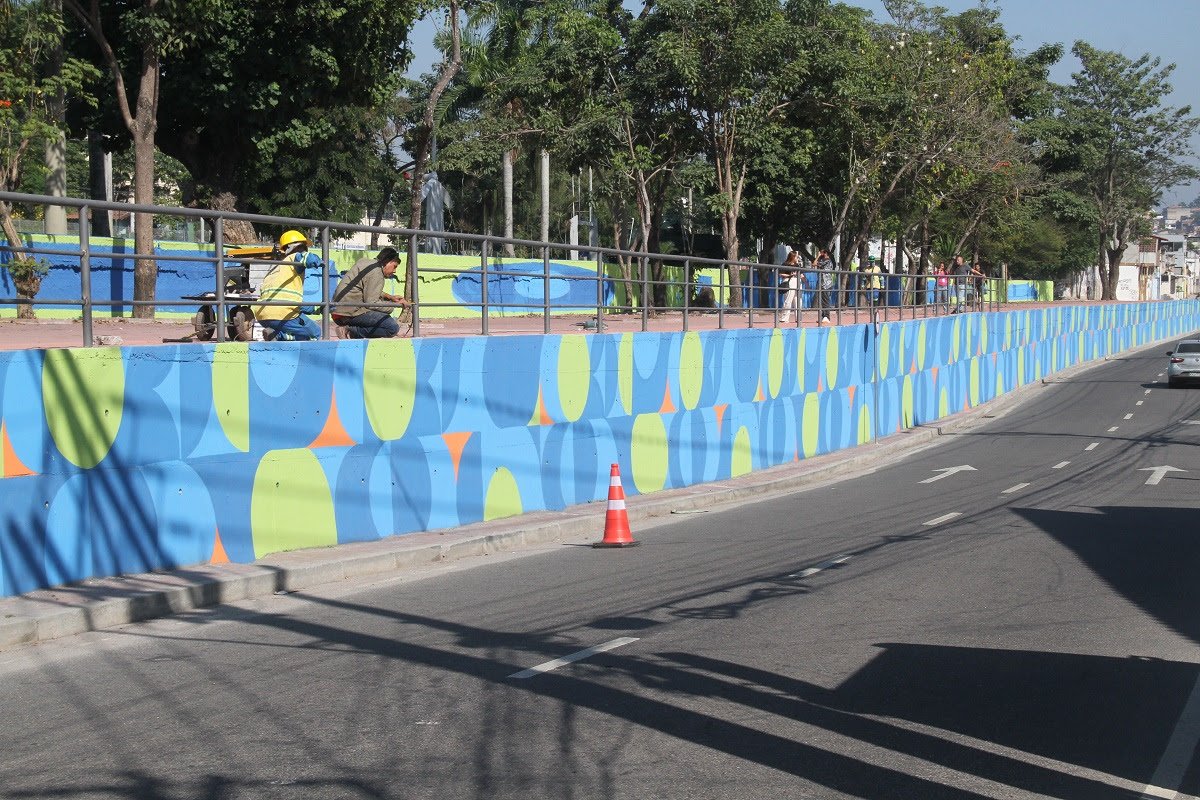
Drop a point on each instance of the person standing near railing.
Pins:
(285, 283)
(361, 292)
(941, 297)
(789, 273)
(828, 281)
(961, 272)
(980, 281)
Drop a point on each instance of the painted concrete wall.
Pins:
(117, 460)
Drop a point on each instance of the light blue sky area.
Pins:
(1167, 29)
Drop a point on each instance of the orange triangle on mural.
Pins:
(796, 457)
(720, 410)
(820, 384)
(219, 555)
(667, 406)
(913, 370)
(455, 443)
(10, 465)
(758, 395)
(540, 415)
(934, 370)
(334, 433)
(850, 389)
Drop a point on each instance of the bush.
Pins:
(27, 274)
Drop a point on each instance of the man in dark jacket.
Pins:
(358, 298)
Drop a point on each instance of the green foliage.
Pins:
(23, 270)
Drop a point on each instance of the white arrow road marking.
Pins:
(1060, 465)
(1157, 473)
(824, 565)
(948, 471)
(1016, 488)
(562, 662)
(1092, 446)
(943, 518)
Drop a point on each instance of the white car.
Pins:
(1184, 362)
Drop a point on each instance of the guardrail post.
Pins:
(722, 278)
(645, 293)
(546, 288)
(412, 268)
(687, 291)
(85, 271)
(219, 269)
(599, 292)
(325, 283)
(483, 285)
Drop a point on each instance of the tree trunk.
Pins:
(729, 236)
(508, 202)
(145, 269)
(233, 231)
(1109, 287)
(26, 285)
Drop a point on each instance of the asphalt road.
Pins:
(1027, 628)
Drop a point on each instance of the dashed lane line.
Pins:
(824, 565)
(1092, 446)
(1139, 402)
(1060, 465)
(1016, 488)
(573, 657)
(1113, 428)
(942, 518)
(1129, 416)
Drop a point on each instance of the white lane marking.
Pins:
(1168, 775)
(824, 565)
(1148, 391)
(1191, 422)
(1060, 465)
(1113, 428)
(1129, 416)
(1139, 402)
(948, 471)
(1160, 374)
(1154, 381)
(562, 662)
(1092, 446)
(943, 518)
(1157, 474)
(1016, 488)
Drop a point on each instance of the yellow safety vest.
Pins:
(284, 283)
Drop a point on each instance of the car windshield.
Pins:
(1188, 347)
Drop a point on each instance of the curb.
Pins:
(98, 604)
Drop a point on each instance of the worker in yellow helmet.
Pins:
(285, 283)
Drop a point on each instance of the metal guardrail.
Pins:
(854, 292)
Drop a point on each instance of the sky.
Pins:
(1167, 29)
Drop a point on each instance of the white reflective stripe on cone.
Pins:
(616, 505)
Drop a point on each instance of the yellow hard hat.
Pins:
(293, 237)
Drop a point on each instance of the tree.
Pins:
(1117, 147)
(733, 64)
(30, 32)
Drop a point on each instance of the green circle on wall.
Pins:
(291, 507)
(907, 402)
(625, 372)
(885, 350)
(943, 403)
(503, 498)
(864, 424)
(975, 380)
(956, 339)
(801, 367)
(389, 386)
(775, 363)
(922, 339)
(648, 452)
(231, 392)
(811, 430)
(742, 460)
(831, 358)
(691, 370)
(574, 375)
(83, 397)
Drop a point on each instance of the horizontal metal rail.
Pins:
(625, 276)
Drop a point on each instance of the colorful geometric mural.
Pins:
(124, 460)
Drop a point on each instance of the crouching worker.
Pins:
(285, 283)
(359, 294)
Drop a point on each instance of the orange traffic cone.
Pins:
(616, 521)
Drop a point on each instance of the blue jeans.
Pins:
(300, 329)
(370, 325)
